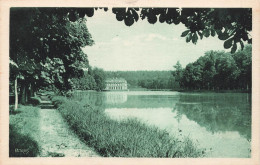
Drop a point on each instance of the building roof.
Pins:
(115, 80)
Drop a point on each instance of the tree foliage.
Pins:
(177, 74)
(93, 79)
(99, 76)
(86, 82)
(46, 47)
(232, 25)
(216, 70)
(220, 70)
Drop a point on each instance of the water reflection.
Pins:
(90, 97)
(143, 100)
(218, 113)
(115, 97)
(219, 122)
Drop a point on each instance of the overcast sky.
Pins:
(142, 46)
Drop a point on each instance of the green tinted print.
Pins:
(219, 122)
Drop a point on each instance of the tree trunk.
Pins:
(23, 94)
(15, 94)
(27, 93)
(32, 91)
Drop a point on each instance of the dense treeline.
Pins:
(93, 79)
(218, 70)
(145, 79)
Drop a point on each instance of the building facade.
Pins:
(116, 84)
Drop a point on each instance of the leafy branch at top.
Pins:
(232, 25)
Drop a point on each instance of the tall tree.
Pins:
(243, 59)
(209, 70)
(99, 76)
(177, 74)
(39, 36)
(187, 79)
(227, 72)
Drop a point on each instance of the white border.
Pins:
(4, 74)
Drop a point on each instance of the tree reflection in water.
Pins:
(217, 112)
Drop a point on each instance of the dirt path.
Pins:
(56, 139)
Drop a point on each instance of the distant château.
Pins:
(116, 84)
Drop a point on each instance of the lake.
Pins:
(218, 122)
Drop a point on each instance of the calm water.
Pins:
(219, 122)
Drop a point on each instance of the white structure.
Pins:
(116, 84)
(115, 97)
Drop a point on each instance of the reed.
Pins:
(127, 138)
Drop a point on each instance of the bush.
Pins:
(35, 101)
(128, 138)
(58, 100)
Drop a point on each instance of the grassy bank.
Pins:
(23, 131)
(128, 138)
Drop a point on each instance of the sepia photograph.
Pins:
(130, 82)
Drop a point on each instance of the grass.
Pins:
(58, 100)
(128, 138)
(23, 129)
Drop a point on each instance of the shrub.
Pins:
(35, 101)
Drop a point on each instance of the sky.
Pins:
(142, 46)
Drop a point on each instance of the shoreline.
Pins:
(111, 138)
(170, 90)
(215, 91)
